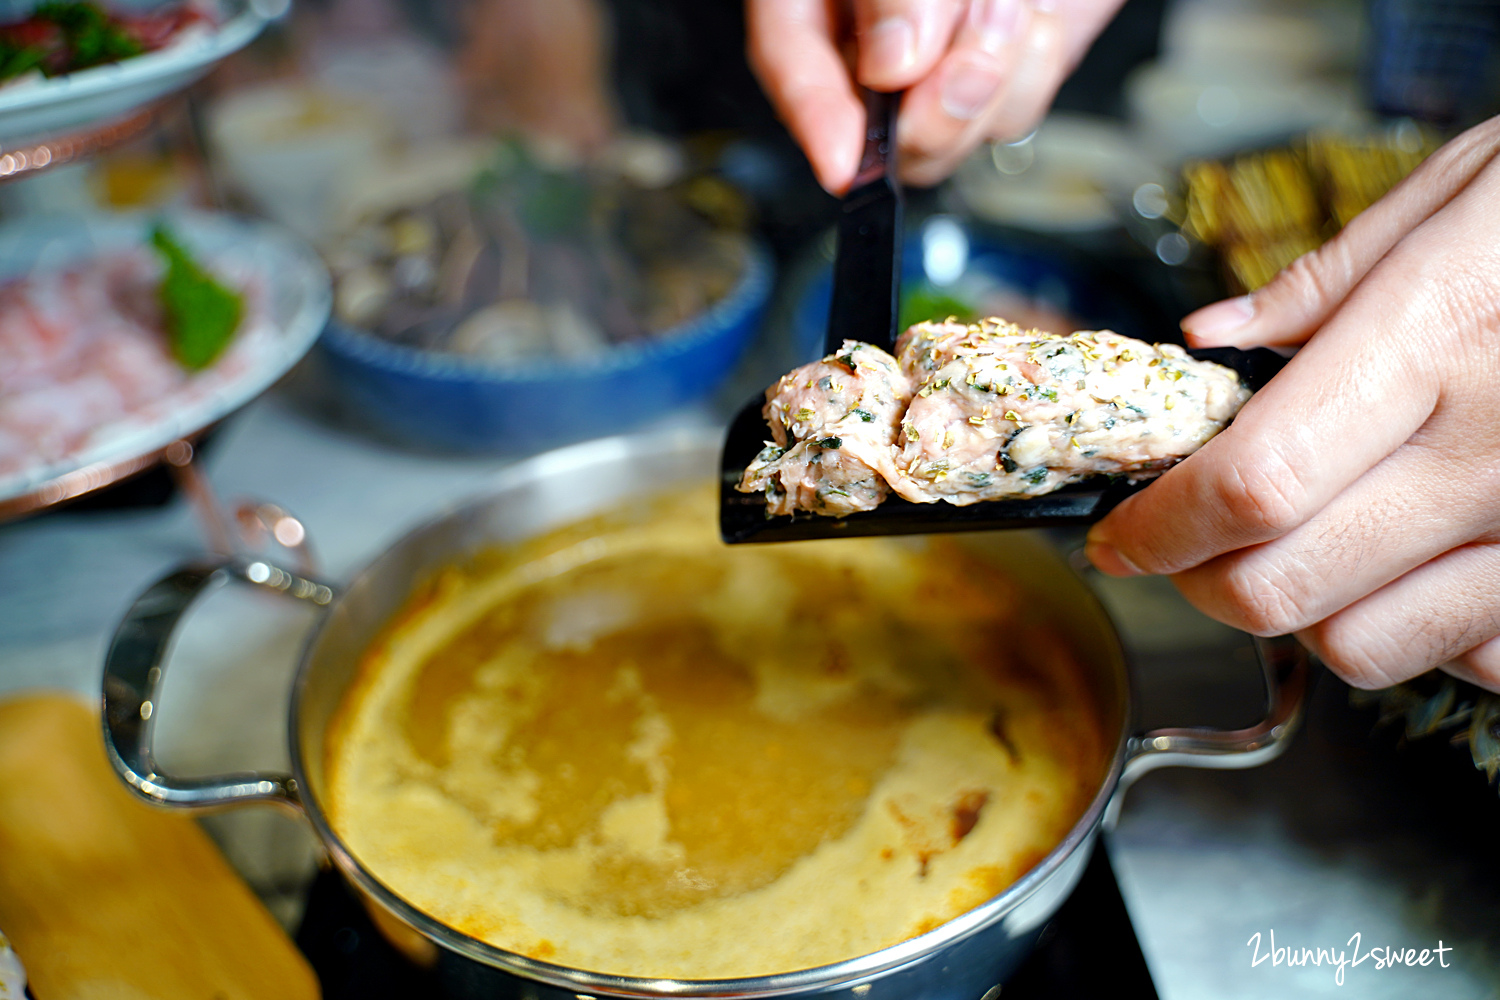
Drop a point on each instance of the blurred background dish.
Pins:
(502, 296)
(451, 401)
(1256, 212)
(1238, 73)
(33, 104)
(289, 147)
(1071, 175)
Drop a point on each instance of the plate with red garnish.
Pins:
(67, 65)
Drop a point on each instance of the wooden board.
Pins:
(103, 896)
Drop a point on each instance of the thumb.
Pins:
(1306, 293)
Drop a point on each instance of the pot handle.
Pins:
(133, 673)
(1287, 667)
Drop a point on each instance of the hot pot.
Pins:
(963, 958)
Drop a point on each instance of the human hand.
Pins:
(1355, 500)
(972, 70)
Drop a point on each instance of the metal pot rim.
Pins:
(134, 669)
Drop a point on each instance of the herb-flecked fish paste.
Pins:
(984, 411)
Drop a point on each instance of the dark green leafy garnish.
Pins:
(831, 442)
(61, 36)
(925, 302)
(551, 202)
(770, 453)
(92, 34)
(1035, 476)
(201, 314)
(864, 415)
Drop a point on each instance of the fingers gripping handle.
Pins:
(135, 667)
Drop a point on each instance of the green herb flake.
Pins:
(831, 442)
(201, 314)
(864, 415)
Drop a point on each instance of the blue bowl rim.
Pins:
(749, 293)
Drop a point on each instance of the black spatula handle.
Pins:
(867, 268)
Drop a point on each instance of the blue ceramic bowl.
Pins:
(433, 400)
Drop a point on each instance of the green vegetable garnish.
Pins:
(92, 35)
(61, 36)
(201, 314)
(925, 302)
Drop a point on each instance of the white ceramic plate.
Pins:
(295, 302)
(34, 108)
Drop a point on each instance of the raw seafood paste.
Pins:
(986, 412)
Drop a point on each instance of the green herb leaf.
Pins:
(201, 314)
(831, 442)
(93, 37)
(926, 302)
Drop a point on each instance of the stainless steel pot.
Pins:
(960, 960)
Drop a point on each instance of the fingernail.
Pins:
(1108, 559)
(968, 90)
(1221, 317)
(995, 21)
(891, 46)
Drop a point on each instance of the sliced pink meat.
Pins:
(834, 425)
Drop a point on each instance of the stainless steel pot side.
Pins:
(961, 960)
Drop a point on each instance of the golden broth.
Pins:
(630, 749)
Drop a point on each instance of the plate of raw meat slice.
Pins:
(90, 387)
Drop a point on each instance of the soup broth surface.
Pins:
(627, 748)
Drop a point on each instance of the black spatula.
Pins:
(866, 292)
